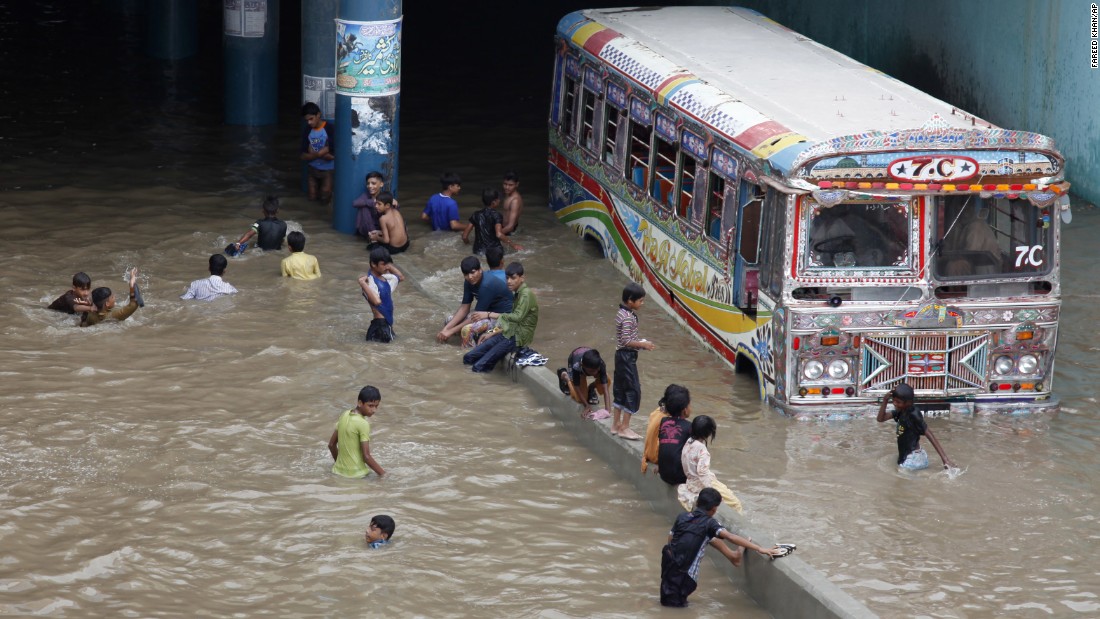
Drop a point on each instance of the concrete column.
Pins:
(368, 84)
(251, 45)
(318, 62)
(173, 29)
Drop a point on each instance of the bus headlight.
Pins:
(1028, 364)
(1003, 365)
(838, 369)
(813, 369)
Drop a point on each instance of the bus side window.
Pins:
(773, 233)
(750, 201)
(637, 169)
(569, 106)
(716, 197)
(686, 184)
(664, 172)
(588, 120)
(612, 121)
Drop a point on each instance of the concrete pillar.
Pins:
(173, 29)
(318, 62)
(368, 85)
(251, 45)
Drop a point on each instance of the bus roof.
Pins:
(772, 91)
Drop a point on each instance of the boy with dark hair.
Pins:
(270, 230)
(378, 287)
(318, 149)
(380, 531)
(486, 225)
(513, 202)
(628, 385)
(687, 542)
(442, 209)
(299, 264)
(366, 219)
(492, 295)
(350, 441)
(514, 329)
(104, 301)
(391, 232)
(494, 257)
(910, 427)
(79, 299)
(584, 363)
(212, 287)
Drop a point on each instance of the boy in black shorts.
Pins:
(627, 384)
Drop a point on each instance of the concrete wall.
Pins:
(787, 587)
(1020, 64)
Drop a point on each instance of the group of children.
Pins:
(96, 306)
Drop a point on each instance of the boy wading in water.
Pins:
(910, 427)
(350, 442)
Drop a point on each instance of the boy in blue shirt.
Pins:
(442, 209)
(318, 150)
(378, 287)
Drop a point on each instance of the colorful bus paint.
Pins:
(836, 252)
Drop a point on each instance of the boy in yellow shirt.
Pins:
(299, 264)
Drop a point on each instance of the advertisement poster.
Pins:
(245, 18)
(368, 58)
(322, 91)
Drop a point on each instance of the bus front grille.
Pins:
(932, 363)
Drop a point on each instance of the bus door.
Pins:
(746, 272)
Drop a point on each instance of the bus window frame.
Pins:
(612, 111)
(806, 272)
(591, 144)
(748, 193)
(569, 115)
(633, 121)
(772, 253)
(673, 143)
(686, 212)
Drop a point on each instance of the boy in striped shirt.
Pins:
(627, 387)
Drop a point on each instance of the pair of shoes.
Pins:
(533, 360)
(786, 550)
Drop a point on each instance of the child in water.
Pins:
(379, 531)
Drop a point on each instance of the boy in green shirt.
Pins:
(350, 442)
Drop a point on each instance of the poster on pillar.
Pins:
(368, 58)
(322, 91)
(244, 18)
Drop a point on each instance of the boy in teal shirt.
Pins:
(350, 442)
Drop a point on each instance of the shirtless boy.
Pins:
(391, 233)
(512, 202)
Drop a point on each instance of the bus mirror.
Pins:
(835, 301)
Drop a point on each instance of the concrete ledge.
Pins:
(787, 587)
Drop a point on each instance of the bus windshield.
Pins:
(979, 238)
(858, 235)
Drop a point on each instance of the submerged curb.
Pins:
(788, 587)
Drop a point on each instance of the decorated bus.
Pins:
(807, 217)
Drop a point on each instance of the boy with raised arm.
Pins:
(378, 287)
(910, 427)
(104, 301)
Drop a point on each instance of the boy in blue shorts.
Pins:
(627, 386)
(442, 209)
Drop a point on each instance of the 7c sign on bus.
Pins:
(933, 168)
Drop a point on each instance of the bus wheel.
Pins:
(743, 365)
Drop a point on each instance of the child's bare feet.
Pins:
(737, 557)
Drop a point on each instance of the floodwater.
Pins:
(175, 463)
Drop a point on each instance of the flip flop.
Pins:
(235, 251)
(137, 296)
(786, 550)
